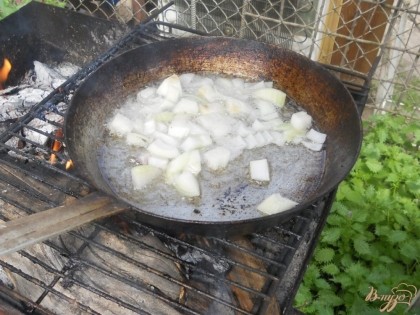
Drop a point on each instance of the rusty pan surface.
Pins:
(228, 201)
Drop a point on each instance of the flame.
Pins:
(69, 165)
(56, 146)
(4, 71)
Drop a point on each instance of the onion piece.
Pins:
(217, 158)
(275, 203)
(162, 149)
(218, 125)
(194, 162)
(237, 107)
(170, 88)
(196, 142)
(186, 105)
(208, 92)
(186, 78)
(164, 116)
(316, 136)
(120, 125)
(259, 170)
(301, 121)
(157, 162)
(143, 175)
(187, 184)
(146, 93)
(312, 145)
(136, 139)
(271, 95)
(178, 129)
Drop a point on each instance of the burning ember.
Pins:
(69, 165)
(56, 146)
(4, 72)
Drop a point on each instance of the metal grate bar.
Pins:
(41, 284)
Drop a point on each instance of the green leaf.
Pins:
(329, 298)
(312, 273)
(397, 236)
(344, 280)
(324, 255)
(321, 283)
(331, 235)
(374, 165)
(385, 259)
(410, 250)
(303, 296)
(357, 271)
(335, 219)
(330, 269)
(361, 246)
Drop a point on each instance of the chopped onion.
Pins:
(146, 93)
(164, 116)
(194, 162)
(187, 161)
(259, 170)
(158, 162)
(186, 78)
(316, 136)
(186, 105)
(224, 83)
(178, 129)
(187, 184)
(236, 107)
(162, 149)
(251, 141)
(312, 145)
(208, 92)
(218, 125)
(136, 139)
(265, 108)
(301, 121)
(195, 142)
(275, 203)
(143, 175)
(271, 95)
(176, 166)
(149, 127)
(120, 125)
(189, 117)
(170, 88)
(217, 158)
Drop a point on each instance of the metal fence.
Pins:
(375, 40)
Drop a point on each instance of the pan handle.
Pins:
(22, 232)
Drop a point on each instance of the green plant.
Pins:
(372, 236)
(7, 7)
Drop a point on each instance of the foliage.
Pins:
(7, 7)
(407, 97)
(372, 236)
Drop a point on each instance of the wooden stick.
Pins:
(34, 228)
(331, 21)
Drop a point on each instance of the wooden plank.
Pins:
(331, 21)
(25, 231)
(361, 20)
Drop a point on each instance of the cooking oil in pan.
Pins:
(226, 194)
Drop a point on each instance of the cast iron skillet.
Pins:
(309, 84)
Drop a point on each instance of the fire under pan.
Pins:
(118, 265)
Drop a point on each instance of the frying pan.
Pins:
(228, 203)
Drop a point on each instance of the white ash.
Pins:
(196, 257)
(37, 84)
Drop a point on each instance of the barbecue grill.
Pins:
(118, 264)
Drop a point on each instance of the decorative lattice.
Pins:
(374, 41)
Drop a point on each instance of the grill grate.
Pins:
(119, 265)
